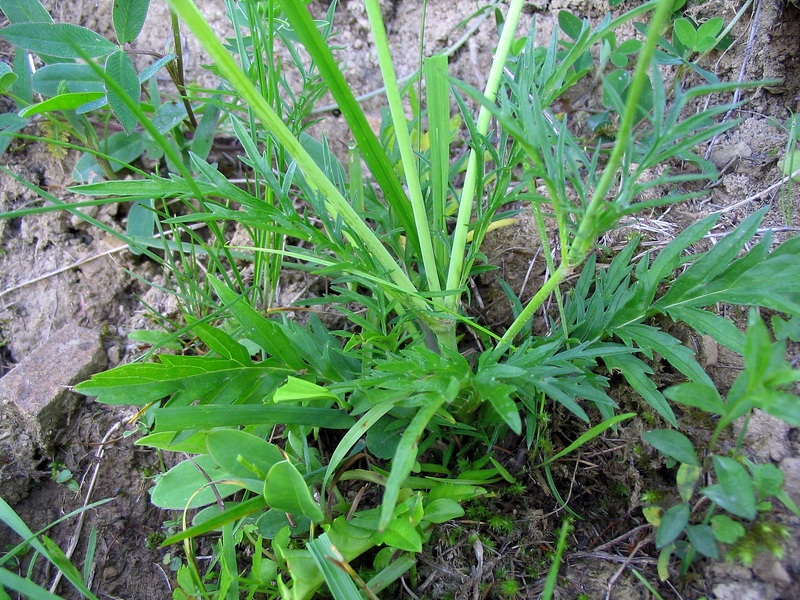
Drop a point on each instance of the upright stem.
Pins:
(364, 236)
(404, 143)
(588, 230)
(455, 275)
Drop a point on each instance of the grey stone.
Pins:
(791, 473)
(36, 402)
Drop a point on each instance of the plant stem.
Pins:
(552, 575)
(407, 155)
(588, 229)
(239, 81)
(455, 275)
(548, 288)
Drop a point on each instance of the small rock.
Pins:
(791, 473)
(36, 402)
(767, 437)
(769, 569)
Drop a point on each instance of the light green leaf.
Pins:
(685, 32)
(402, 534)
(673, 522)
(69, 101)
(406, 453)
(24, 586)
(58, 39)
(190, 417)
(185, 486)
(726, 530)
(329, 561)
(286, 490)
(686, 479)
(589, 435)
(298, 390)
(355, 433)
(673, 444)
(698, 395)
(129, 17)
(767, 480)
(77, 77)
(7, 77)
(220, 342)
(236, 512)
(735, 491)
(165, 440)
(120, 69)
(242, 454)
(442, 510)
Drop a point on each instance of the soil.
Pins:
(56, 270)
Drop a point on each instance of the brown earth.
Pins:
(55, 271)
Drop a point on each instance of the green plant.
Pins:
(378, 428)
(60, 474)
(45, 547)
(740, 502)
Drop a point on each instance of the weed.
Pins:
(509, 588)
(255, 398)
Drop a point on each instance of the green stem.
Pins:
(548, 288)
(407, 155)
(455, 275)
(239, 81)
(588, 230)
(552, 575)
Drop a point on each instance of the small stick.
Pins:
(73, 544)
(743, 71)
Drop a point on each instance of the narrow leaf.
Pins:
(60, 102)
(190, 417)
(58, 39)
(406, 455)
(119, 68)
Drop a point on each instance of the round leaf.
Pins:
(286, 490)
(184, 485)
